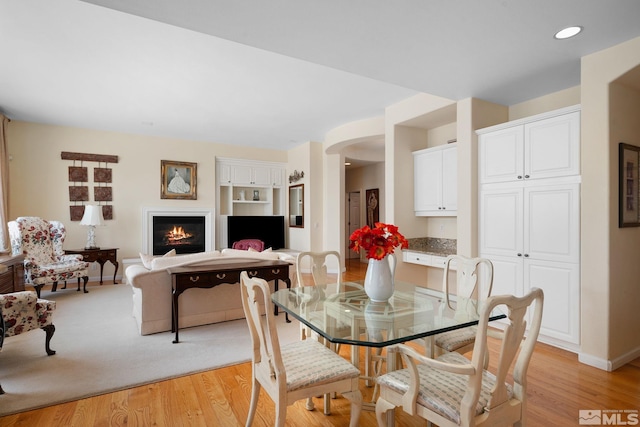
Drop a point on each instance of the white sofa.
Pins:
(152, 293)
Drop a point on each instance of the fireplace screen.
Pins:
(185, 234)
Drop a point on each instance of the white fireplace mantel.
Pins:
(147, 224)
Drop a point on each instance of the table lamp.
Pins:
(91, 218)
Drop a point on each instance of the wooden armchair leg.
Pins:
(38, 288)
(86, 279)
(49, 330)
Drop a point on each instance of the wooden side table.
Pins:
(101, 256)
(13, 279)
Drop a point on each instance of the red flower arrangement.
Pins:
(378, 241)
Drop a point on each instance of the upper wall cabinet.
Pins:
(435, 172)
(238, 174)
(249, 187)
(544, 146)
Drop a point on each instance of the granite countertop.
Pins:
(433, 246)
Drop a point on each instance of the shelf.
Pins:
(250, 201)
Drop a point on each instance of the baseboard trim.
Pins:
(609, 365)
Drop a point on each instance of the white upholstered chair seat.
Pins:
(442, 391)
(454, 340)
(320, 365)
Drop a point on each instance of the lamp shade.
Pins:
(92, 215)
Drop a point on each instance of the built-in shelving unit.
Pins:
(246, 187)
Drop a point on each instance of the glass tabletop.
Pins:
(347, 315)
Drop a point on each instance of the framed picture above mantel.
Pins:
(178, 180)
(629, 188)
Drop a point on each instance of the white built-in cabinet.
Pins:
(247, 187)
(435, 173)
(529, 218)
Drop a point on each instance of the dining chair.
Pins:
(299, 370)
(455, 391)
(474, 283)
(318, 264)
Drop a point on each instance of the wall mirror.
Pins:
(296, 206)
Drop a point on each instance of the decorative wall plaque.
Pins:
(101, 175)
(102, 194)
(107, 211)
(76, 212)
(79, 193)
(78, 174)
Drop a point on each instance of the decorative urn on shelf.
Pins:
(379, 243)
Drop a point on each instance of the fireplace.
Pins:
(185, 230)
(185, 234)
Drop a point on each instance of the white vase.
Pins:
(378, 281)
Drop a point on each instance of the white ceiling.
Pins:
(278, 73)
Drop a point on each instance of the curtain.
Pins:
(4, 185)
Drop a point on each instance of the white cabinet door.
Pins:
(427, 181)
(277, 177)
(560, 283)
(507, 275)
(261, 176)
(501, 221)
(436, 181)
(450, 179)
(224, 174)
(552, 147)
(241, 175)
(501, 155)
(552, 223)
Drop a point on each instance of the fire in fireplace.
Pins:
(185, 234)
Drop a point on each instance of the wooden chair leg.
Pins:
(86, 279)
(49, 330)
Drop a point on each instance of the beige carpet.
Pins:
(99, 350)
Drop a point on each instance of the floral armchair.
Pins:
(24, 311)
(41, 243)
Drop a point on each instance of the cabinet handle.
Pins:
(526, 176)
(519, 254)
(519, 176)
(194, 279)
(526, 255)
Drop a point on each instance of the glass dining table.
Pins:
(344, 314)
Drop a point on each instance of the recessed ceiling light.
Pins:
(568, 32)
(347, 163)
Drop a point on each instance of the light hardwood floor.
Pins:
(559, 387)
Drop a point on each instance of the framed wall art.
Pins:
(178, 180)
(373, 208)
(629, 212)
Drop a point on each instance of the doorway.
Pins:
(352, 220)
